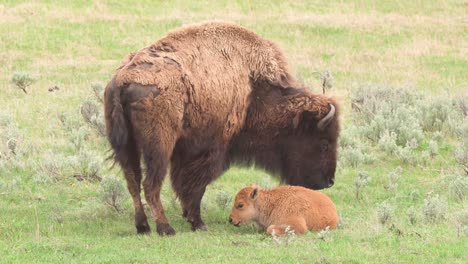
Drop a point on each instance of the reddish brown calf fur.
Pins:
(204, 97)
(274, 210)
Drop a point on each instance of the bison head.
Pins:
(293, 133)
(308, 149)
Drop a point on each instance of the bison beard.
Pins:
(207, 96)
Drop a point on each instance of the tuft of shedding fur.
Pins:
(297, 208)
(206, 96)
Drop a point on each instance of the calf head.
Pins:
(244, 212)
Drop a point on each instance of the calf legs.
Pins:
(298, 225)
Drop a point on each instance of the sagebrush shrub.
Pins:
(381, 109)
(112, 192)
(412, 215)
(384, 212)
(436, 111)
(86, 165)
(14, 150)
(223, 199)
(354, 157)
(433, 148)
(51, 168)
(22, 80)
(98, 91)
(461, 155)
(387, 142)
(437, 136)
(92, 114)
(406, 155)
(461, 222)
(458, 186)
(350, 137)
(393, 178)
(434, 208)
(414, 195)
(79, 137)
(361, 181)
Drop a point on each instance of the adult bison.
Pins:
(206, 96)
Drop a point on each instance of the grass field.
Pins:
(49, 215)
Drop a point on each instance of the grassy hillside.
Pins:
(400, 189)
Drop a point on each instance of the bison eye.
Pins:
(239, 206)
(323, 145)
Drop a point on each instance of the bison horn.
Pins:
(323, 123)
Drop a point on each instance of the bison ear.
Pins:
(283, 80)
(254, 193)
(306, 118)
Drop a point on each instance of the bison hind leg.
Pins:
(132, 171)
(297, 226)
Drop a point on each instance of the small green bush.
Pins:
(14, 150)
(433, 148)
(87, 165)
(461, 222)
(354, 157)
(112, 192)
(393, 178)
(406, 155)
(461, 156)
(387, 142)
(362, 180)
(22, 80)
(412, 215)
(98, 91)
(223, 199)
(92, 114)
(384, 212)
(434, 208)
(436, 111)
(458, 186)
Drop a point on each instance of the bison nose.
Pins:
(230, 220)
(330, 184)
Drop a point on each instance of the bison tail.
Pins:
(117, 124)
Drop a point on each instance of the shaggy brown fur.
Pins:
(203, 97)
(274, 210)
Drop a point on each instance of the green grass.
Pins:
(415, 44)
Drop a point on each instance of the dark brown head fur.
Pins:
(281, 135)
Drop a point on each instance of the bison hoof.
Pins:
(165, 230)
(201, 227)
(143, 229)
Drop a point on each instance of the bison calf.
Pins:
(274, 210)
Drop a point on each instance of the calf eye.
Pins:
(239, 206)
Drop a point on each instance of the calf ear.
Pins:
(254, 193)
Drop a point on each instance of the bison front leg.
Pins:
(191, 205)
(189, 177)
